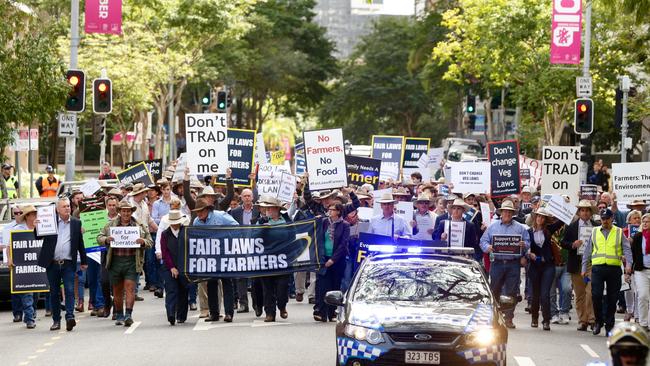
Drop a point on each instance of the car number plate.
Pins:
(422, 357)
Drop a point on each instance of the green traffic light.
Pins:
(206, 100)
(222, 105)
(470, 109)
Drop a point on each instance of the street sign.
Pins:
(583, 87)
(67, 125)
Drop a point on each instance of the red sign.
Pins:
(103, 16)
(565, 31)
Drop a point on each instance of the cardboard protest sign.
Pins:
(564, 211)
(241, 149)
(486, 215)
(429, 163)
(506, 244)
(181, 164)
(588, 192)
(561, 171)
(504, 165)
(89, 188)
(93, 222)
(47, 223)
(276, 157)
(405, 210)
(414, 149)
(471, 177)
(155, 167)
(207, 148)
(299, 158)
(260, 150)
(363, 170)
(325, 158)
(269, 178)
(631, 181)
(124, 236)
(26, 275)
(534, 168)
(388, 149)
(455, 233)
(136, 173)
(287, 187)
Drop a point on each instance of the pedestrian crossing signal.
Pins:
(584, 116)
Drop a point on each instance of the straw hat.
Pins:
(271, 202)
(126, 204)
(467, 195)
(26, 210)
(321, 195)
(586, 204)
(116, 192)
(162, 181)
(386, 198)
(202, 204)
(208, 191)
(423, 198)
(138, 188)
(176, 217)
(636, 202)
(507, 205)
(363, 194)
(401, 191)
(542, 212)
(459, 203)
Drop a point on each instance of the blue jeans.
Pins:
(505, 275)
(347, 274)
(56, 273)
(81, 283)
(192, 289)
(17, 305)
(561, 283)
(151, 266)
(94, 284)
(27, 302)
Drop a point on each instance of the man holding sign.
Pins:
(458, 232)
(127, 240)
(505, 268)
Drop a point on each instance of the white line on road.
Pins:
(48, 344)
(132, 327)
(261, 323)
(55, 338)
(41, 350)
(524, 361)
(32, 357)
(589, 351)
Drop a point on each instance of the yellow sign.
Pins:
(277, 157)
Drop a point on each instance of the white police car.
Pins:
(421, 308)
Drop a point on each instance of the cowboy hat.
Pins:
(26, 210)
(467, 195)
(176, 217)
(105, 184)
(162, 181)
(423, 198)
(138, 188)
(386, 198)
(126, 204)
(506, 205)
(116, 192)
(401, 191)
(271, 202)
(527, 189)
(451, 197)
(195, 183)
(202, 204)
(363, 194)
(586, 204)
(542, 212)
(208, 191)
(321, 195)
(459, 203)
(636, 202)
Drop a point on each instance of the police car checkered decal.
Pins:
(496, 353)
(482, 316)
(347, 348)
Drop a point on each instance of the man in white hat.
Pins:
(505, 268)
(387, 223)
(143, 215)
(423, 219)
(470, 236)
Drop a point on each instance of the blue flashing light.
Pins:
(382, 248)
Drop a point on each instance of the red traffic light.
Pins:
(73, 80)
(582, 108)
(76, 100)
(102, 87)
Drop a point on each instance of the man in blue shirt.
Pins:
(505, 268)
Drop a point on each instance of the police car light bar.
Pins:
(376, 248)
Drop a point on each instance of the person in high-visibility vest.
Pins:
(47, 187)
(11, 182)
(604, 251)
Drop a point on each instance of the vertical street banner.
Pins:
(363, 170)
(565, 32)
(504, 164)
(269, 178)
(414, 149)
(471, 177)
(388, 149)
(325, 158)
(154, 166)
(26, 275)
(136, 173)
(103, 16)
(631, 181)
(207, 149)
(299, 159)
(241, 149)
(561, 171)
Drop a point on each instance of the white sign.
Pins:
(471, 177)
(287, 187)
(67, 125)
(260, 150)
(405, 210)
(631, 181)
(125, 236)
(90, 187)
(269, 178)
(535, 169)
(365, 213)
(325, 158)
(25, 140)
(181, 163)
(584, 235)
(561, 209)
(561, 171)
(455, 231)
(46, 216)
(429, 163)
(206, 141)
(583, 87)
(485, 213)
(424, 223)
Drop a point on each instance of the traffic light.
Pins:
(585, 151)
(99, 129)
(76, 101)
(102, 96)
(222, 101)
(472, 122)
(471, 104)
(584, 116)
(205, 101)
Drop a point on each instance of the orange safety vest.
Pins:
(46, 184)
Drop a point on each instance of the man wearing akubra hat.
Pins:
(208, 193)
(142, 214)
(470, 240)
(423, 219)
(124, 264)
(573, 243)
(176, 286)
(505, 268)
(387, 223)
(319, 202)
(445, 216)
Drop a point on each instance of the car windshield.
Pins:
(406, 280)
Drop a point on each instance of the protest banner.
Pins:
(26, 275)
(136, 173)
(181, 164)
(241, 149)
(268, 179)
(299, 159)
(561, 171)
(325, 158)
(155, 167)
(89, 188)
(287, 187)
(504, 164)
(443, 189)
(260, 150)
(429, 163)
(470, 177)
(534, 168)
(470, 214)
(124, 236)
(631, 181)
(506, 244)
(388, 149)
(363, 170)
(588, 192)
(46, 216)
(95, 203)
(414, 149)
(93, 222)
(632, 230)
(207, 149)
(564, 211)
(251, 251)
(455, 233)
(485, 213)
(405, 210)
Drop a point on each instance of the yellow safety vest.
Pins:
(606, 251)
(10, 184)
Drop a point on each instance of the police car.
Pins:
(417, 307)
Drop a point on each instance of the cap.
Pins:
(49, 169)
(7, 166)
(606, 213)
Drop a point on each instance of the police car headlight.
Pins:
(371, 336)
(482, 337)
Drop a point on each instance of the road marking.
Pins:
(589, 351)
(41, 350)
(62, 332)
(24, 363)
(132, 327)
(32, 357)
(202, 325)
(261, 323)
(524, 361)
(55, 338)
(48, 344)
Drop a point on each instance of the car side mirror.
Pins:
(334, 298)
(507, 302)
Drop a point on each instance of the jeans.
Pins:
(55, 273)
(505, 275)
(95, 284)
(347, 274)
(17, 305)
(561, 284)
(81, 282)
(242, 292)
(601, 275)
(192, 291)
(151, 267)
(176, 298)
(27, 303)
(541, 278)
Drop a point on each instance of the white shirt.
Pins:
(395, 225)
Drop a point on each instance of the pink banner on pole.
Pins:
(566, 30)
(103, 16)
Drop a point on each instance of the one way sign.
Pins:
(67, 125)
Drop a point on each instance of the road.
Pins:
(297, 340)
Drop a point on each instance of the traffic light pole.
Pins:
(71, 142)
(625, 88)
